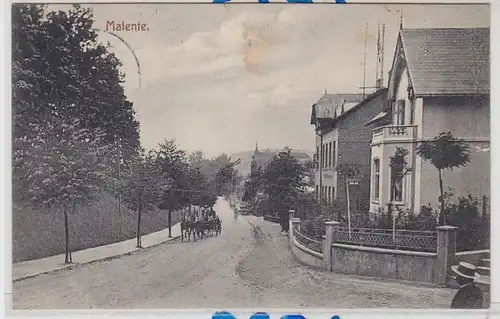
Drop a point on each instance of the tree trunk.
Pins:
(442, 219)
(169, 223)
(139, 211)
(67, 252)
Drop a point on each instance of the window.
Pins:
(376, 179)
(326, 156)
(330, 155)
(334, 154)
(399, 113)
(329, 194)
(318, 158)
(397, 184)
(412, 113)
(333, 193)
(323, 155)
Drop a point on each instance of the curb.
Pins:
(103, 259)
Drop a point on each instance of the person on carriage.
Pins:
(212, 213)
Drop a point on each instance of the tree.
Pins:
(144, 187)
(58, 64)
(173, 163)
(311, 172)
(63, 166)
(227, 176)
(283, 180)
(253, 184)
(444, 151)
(201, 192)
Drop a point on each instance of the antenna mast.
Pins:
(364, 65)
(378, 55)
(382, 45)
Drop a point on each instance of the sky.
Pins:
(219, 78)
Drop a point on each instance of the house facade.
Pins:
(439, 82)
(341, 135)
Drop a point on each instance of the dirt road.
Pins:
(248, 265)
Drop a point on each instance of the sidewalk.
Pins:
(32, 268)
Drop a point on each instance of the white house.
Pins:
(439, 82)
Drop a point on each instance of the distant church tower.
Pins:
(254, 165)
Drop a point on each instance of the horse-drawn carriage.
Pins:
(199, 223)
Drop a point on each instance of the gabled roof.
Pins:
(329, 104)
(349, 106)
(451, 61)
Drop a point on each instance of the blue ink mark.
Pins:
(299, 1)
(223, 314)
(221, 1)
(293, 317)
(339, 1)
(263, 1)
(260, 315)
(336, 317)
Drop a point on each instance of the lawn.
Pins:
(40, 233)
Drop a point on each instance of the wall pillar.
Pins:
(294, 224)
(291, 214)
(446, 249)
(327, 244)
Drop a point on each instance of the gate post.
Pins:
(446, 249)
(294, 224)
(327, 244)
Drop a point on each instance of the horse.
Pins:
(218, 225)
(199, 228)
(188, 228)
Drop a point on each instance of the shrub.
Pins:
(473, 228)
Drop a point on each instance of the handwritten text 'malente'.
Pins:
(125, 26)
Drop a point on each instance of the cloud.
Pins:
(255, 74)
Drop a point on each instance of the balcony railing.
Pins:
(394, 133)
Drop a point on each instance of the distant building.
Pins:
(262, 158)
(341, 134)
(439, 82)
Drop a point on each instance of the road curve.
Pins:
(249, 265)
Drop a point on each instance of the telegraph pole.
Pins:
(364, 64)
(119, 173)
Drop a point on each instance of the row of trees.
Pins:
(75, 135)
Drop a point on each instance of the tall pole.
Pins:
(382, 44)
(119, 171)
(378, 58)
(320, 163)
(170, 214)
(231, 189)
(348, 207)
(364, 64)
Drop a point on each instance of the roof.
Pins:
(377, 117)
(300, 155)
(264, 157)
(351, 106)
(326, 106)
(448, 61)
